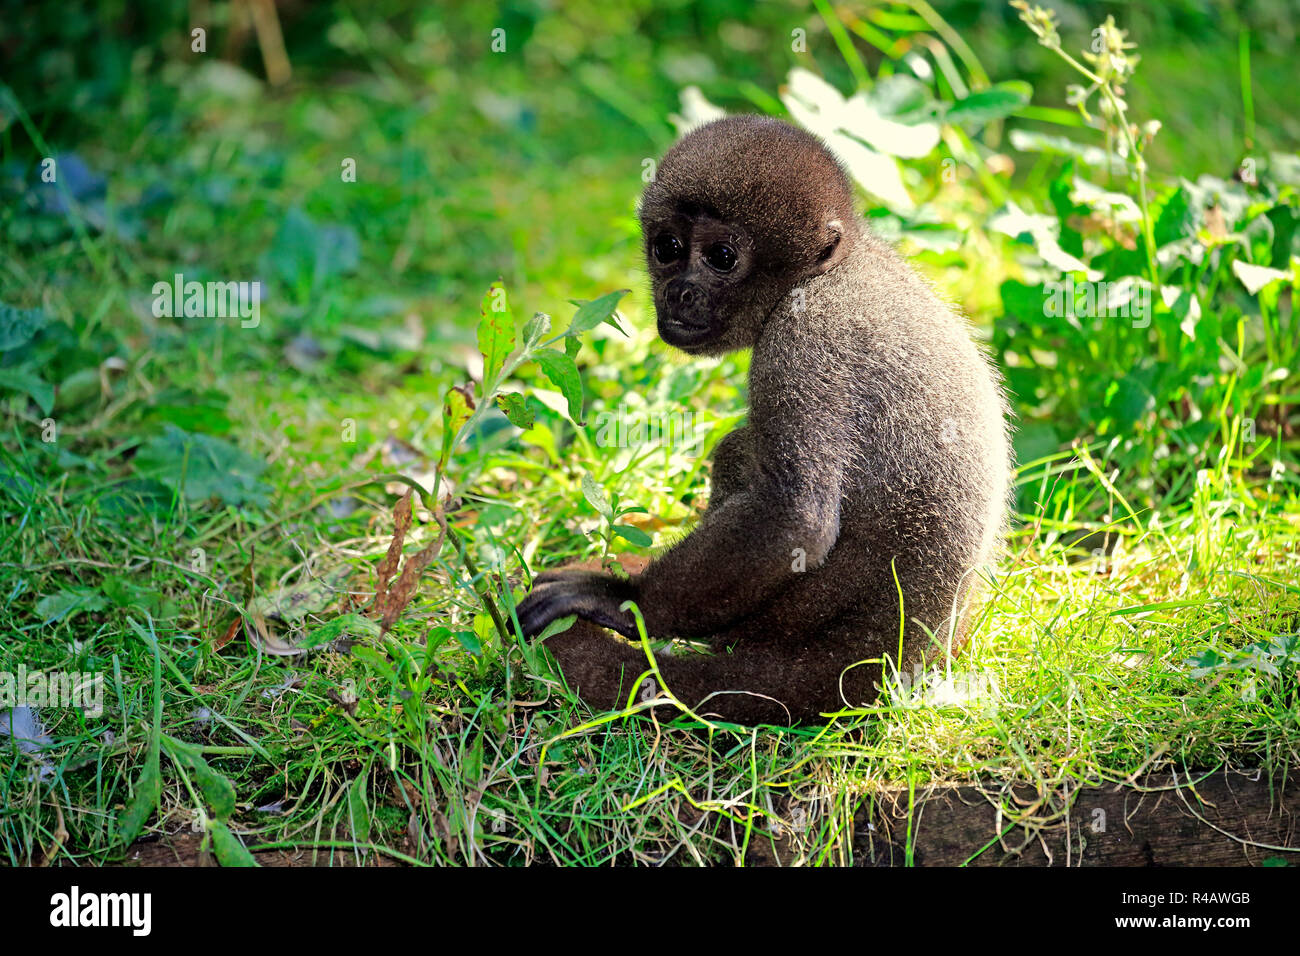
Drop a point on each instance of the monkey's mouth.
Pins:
(684, 335)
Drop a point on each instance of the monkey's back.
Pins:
(916, 417)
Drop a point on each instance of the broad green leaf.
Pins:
(197, 412)
(227, 848)
(860, 132)
(596, 496)
(1030, 141)
(31, 385)
(433, 640)
(457, 407)
(1132, 399)
(536, 328)
(901, 97)
(934, 238)
(557, 626)
(375, 660)
(1255, 278)
(356, 624)
(64, 604)
(338, 250)
(484, 627)
(998, 101)
(18, 326)
(1117, 206)
(629, 533)
(591, 314)
(1040, 231)
(124, 592)
(80, 388)
(469, 640)
(200, 467)
(1286, 233)
(520, 415)
(304, 253)
(1176, 219)
(358, 810)
(1035, 440)
(292, 255)
(496, 330)
(541, 436)
(217, 790)
(563, 373)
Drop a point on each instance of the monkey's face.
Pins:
(739, 212)
(700, 269)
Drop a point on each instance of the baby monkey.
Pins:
(874, 462)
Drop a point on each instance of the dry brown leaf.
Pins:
(404, 589)
(388, 566)
(227, 637)
(59, 837)
(255, 629)
(259, 634)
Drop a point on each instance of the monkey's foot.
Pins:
(598, 666)
(761, 682)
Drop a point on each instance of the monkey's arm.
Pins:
(746, 550)
(595, 596)
(781, 518)
(733, 465)
(780, 511)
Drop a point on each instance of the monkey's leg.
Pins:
(782, 682)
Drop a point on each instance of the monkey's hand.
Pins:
(590, 595)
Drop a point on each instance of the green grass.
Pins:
(1143, 618)
(1077, 673)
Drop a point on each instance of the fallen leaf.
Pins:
(227, 637)
(388, 566)
(404, 589)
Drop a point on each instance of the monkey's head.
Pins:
(740, 212)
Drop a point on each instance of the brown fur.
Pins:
(876, 448)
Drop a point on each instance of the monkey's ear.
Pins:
(832, 250)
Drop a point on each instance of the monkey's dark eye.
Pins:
(667, 248)
(720, 256)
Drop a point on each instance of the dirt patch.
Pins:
(1225, 819)
(184, 849)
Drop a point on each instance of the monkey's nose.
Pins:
(686, 296)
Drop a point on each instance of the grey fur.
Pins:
(876, 446)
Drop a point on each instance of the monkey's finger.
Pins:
(542, 606)
(611, 620)
(548, 602)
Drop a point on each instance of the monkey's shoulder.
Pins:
(839, 335)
